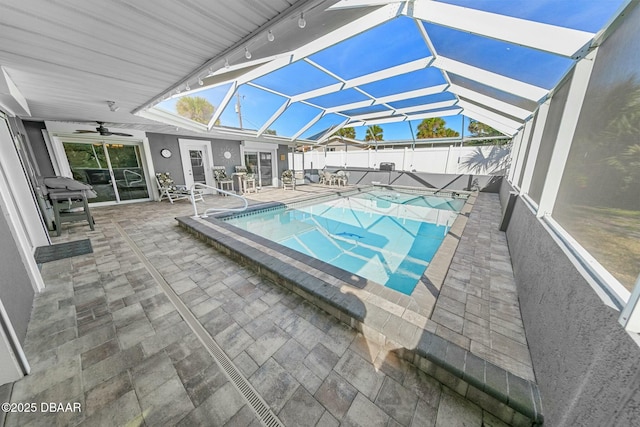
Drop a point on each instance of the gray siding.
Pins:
(173, 165)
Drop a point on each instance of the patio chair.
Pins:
(327, 177)
(168, 189)
(223, 182)
(342, 178)
(247, 180)
(288, 180)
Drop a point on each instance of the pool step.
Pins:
(512, 399)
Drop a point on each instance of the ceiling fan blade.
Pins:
(120, 134)
(85, 131)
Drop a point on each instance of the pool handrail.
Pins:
(211, 210)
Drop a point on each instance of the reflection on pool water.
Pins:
(385, 236)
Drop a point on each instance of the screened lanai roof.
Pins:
(357, 63)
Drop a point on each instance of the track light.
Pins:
(112, 106)
(226, 63)
(200, 82)
(247, 54)
(270, 36)
(187, 87)
(302, 22)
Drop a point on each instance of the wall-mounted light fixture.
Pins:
(112, 106)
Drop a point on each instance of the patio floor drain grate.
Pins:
(251, 396)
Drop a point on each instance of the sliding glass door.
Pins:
(115, 171)
(261, 164)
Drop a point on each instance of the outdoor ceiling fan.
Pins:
(103, 131)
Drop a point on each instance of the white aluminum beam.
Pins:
(412, 94)
(541, 120)
(318, 92)
(544, 37)
(397, 97)
(524, 146)
(223, 105)
(397, 70)
(266, 89)
(506, 84)
(352, 106)
(425, 107)
(489, 121)
(490, 102)
(274, 117)
(492, 115)
(571, 113)
(362, 80)
(516, 147)
(349, 4)
(362, 24)
(159, 115)
(376, 115)
(307, 126)
(330, 132)
(441, 113)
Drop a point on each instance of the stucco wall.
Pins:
(585, 364)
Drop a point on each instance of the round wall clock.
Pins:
(166, 153)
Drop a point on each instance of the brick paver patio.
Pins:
(106, 335)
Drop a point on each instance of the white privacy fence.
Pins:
(482, 160)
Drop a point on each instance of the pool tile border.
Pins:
(383, 315)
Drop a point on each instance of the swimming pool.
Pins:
(385, 236)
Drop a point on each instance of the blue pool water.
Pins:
(385, 236)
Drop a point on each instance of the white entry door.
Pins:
(197, 162)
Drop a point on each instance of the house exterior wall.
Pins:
(36, 140)
(586, 365)
(173, 165)
(283, 153)
(16, 291)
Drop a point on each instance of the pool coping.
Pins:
(382, 314)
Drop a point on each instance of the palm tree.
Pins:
(347, 133)
(479, 129)
(374, 133)
(195, 108)
(435, 127)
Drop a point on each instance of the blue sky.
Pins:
(396, 42)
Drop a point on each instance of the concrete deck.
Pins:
(105, 334)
